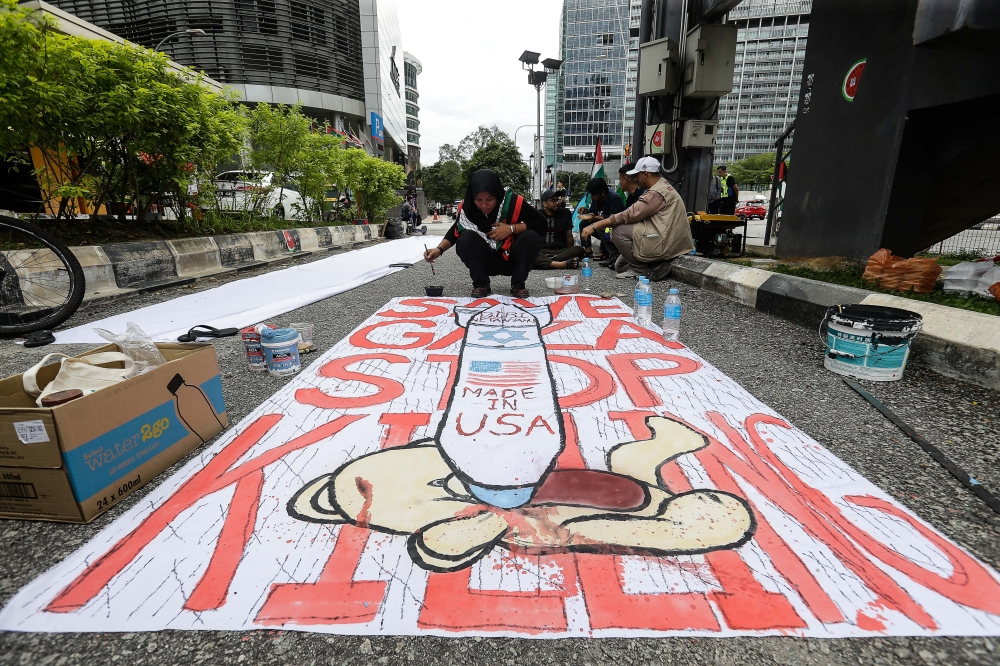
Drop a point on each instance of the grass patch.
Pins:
(851, 276)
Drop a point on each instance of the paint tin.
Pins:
(868, 341)
(281, 351)
(255, 353)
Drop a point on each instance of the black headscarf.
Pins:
(483, 180)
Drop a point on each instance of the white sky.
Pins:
(471, 75)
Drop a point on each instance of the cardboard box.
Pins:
(73, 462)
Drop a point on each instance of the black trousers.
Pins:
(713, 206)
(483, 262)
(547, 256)
(728, 206)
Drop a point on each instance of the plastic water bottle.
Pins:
(586, 271)
(644, 302)
(672, 316)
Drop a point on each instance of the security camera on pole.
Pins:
(551, 66)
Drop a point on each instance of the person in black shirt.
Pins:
(497, 233)
(604, 204)
(629, 184)
(559, 249)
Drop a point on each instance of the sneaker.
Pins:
(659, 272)
(627, 273)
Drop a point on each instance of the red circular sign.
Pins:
(658, 138)
(852, 79)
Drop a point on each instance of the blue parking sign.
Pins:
(378, 129)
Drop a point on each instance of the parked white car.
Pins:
(235, 191)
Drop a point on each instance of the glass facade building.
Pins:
(587, 99)
(382, 50)
(276, 51)
(770, 52)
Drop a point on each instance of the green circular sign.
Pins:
(850, 87)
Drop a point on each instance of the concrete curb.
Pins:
(956, 343)
(123, 268)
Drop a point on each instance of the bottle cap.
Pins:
(674, 291)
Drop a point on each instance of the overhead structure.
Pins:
(896, 142)
(687, 57)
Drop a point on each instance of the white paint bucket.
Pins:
(869, 341)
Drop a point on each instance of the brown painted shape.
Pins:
(584, 487)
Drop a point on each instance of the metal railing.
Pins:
(777, 180)
(982, 239)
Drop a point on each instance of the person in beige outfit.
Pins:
(653, 231)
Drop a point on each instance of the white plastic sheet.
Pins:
(963, 278)
(246, 302)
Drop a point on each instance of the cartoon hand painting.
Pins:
(487, 479)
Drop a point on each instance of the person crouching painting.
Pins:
(497, 233)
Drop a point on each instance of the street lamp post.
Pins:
(190, 31)
(537, 78)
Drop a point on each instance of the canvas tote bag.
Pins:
(82, 373)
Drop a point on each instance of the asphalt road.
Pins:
(777, 361)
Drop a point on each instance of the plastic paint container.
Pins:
(869, 341)
(306, 333)
(570, 284)
(255, 353)
(281, 351)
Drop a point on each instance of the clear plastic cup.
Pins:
(305, 330)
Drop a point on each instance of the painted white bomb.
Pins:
(502, 430)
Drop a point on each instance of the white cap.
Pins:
(650, 164)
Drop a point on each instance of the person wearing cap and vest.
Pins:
(497, 233)
(653, 231)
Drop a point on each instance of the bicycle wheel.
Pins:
(41, 281)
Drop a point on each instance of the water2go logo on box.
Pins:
(118, 453)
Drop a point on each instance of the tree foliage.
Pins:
(443, 181)
(117, 130)
(373, 181)
(505, 159)
(113, 124)
(754, 169)
(575, 182)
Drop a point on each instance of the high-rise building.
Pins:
(382, 46)
(411, 69)
(770, 51)
(587, 99)
(276, 51)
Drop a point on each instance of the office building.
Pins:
(587, 99)
(326, 54)
(382, 48)
(770, 51)
(411, 69)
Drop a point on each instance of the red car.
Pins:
(748, 210)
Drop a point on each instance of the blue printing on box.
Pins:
(114, 455)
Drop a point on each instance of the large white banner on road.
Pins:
(252, 300)
(541, 468)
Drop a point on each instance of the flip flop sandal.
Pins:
(204, 331)
(573, 263)
(39, 339)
